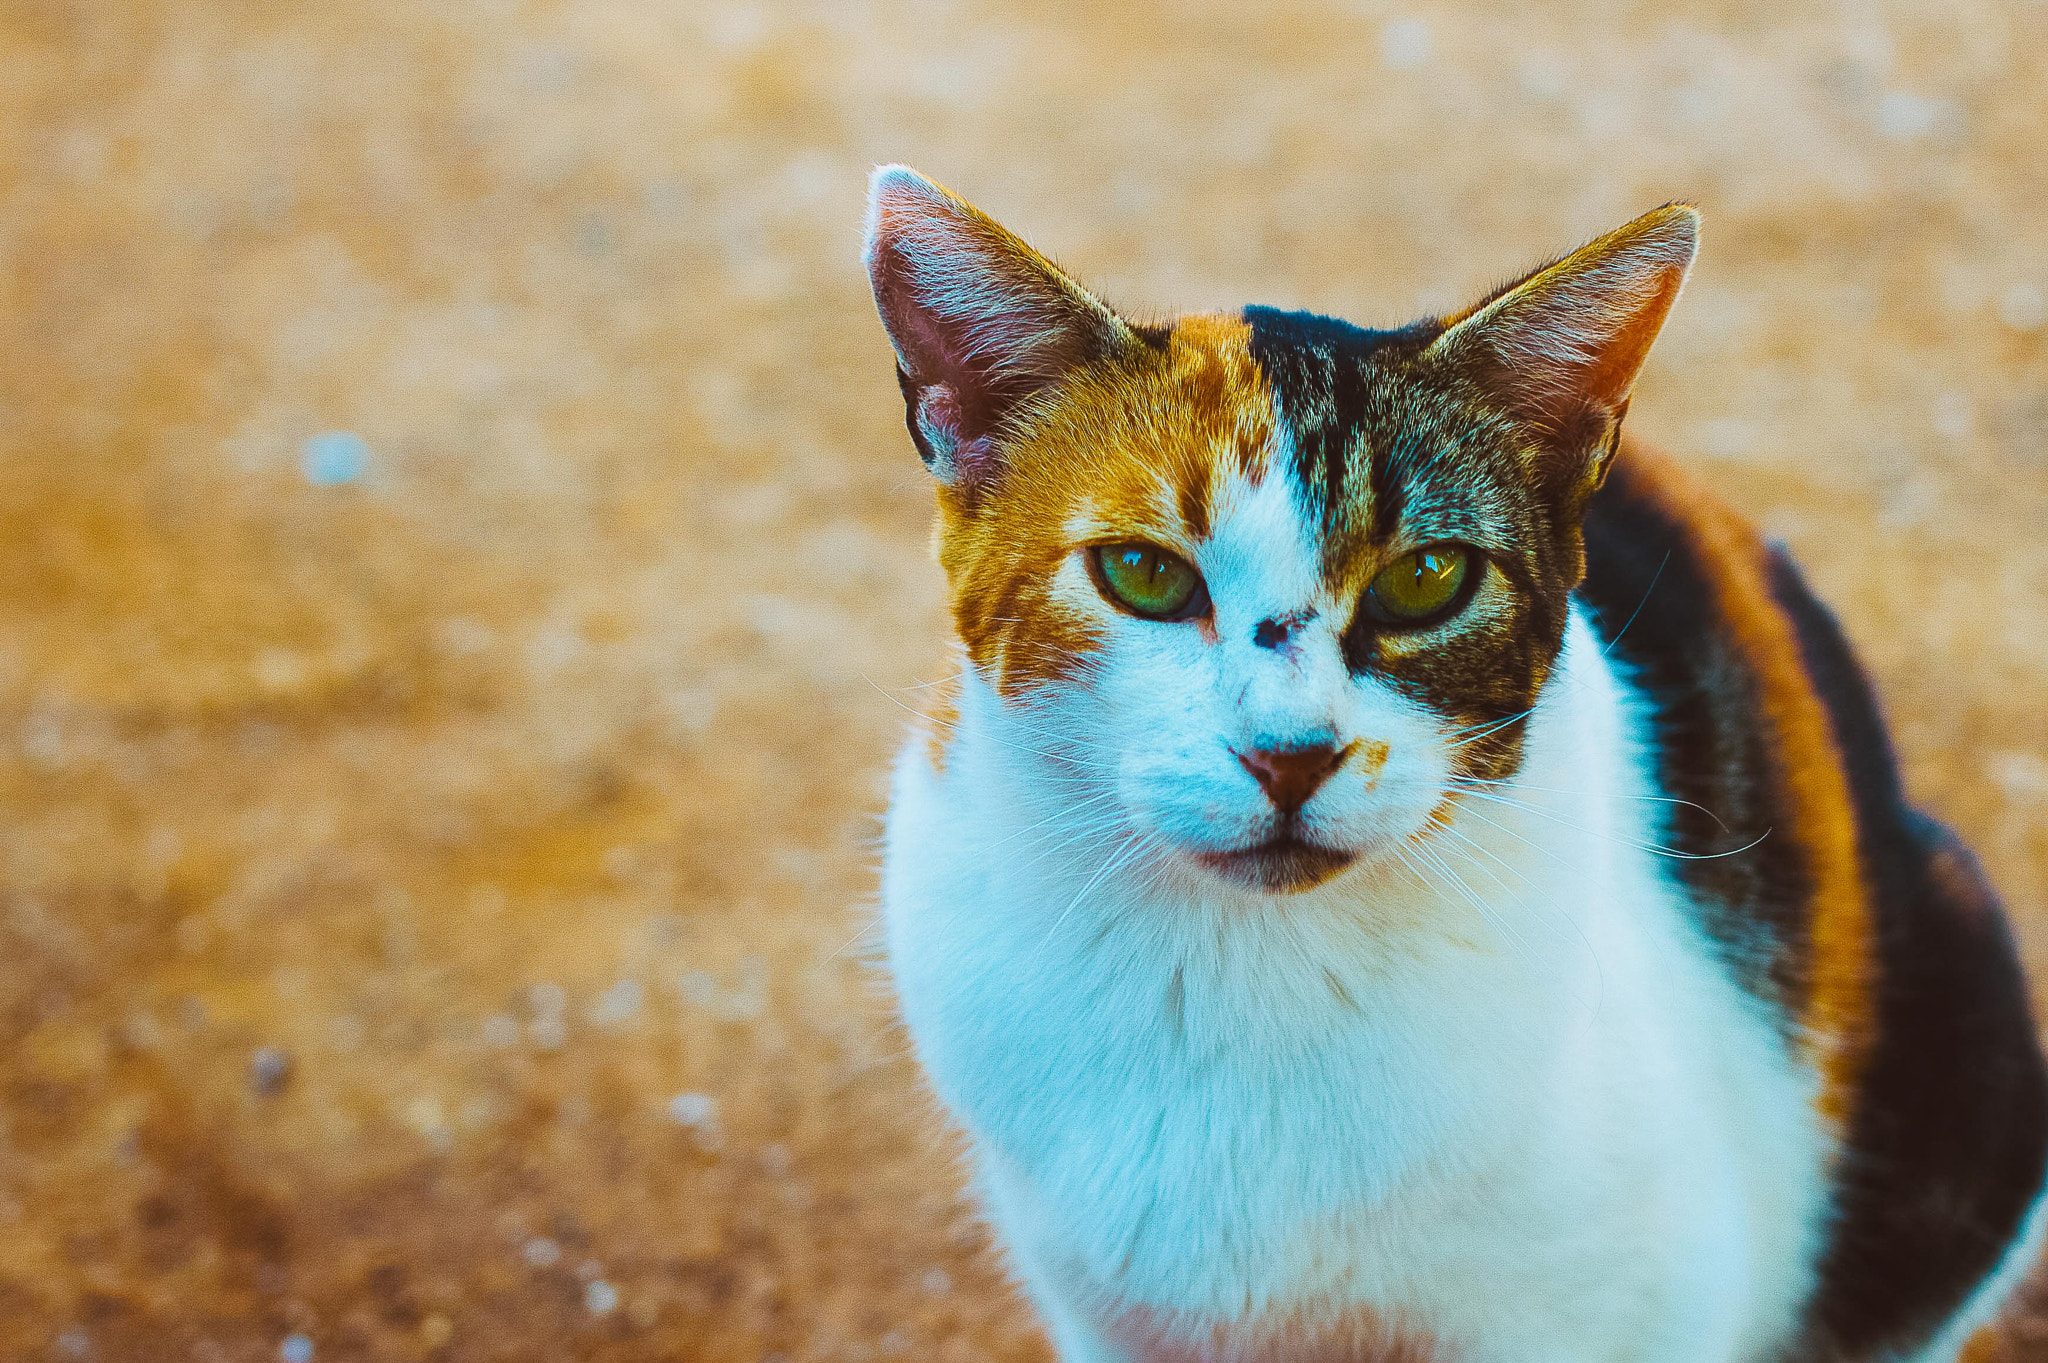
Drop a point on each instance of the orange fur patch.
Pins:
(1134, 447)
(1986, 1346)
(1837, 1018)
(941, 716)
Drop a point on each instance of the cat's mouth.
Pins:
(1284, 864)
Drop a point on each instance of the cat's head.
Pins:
(1280, 582)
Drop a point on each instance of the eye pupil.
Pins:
(1148, 581)
(1419, 588)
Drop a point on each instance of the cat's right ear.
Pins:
(1559, 351)
(981, 323)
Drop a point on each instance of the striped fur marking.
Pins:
(1389, 458)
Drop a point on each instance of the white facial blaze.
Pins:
(1179, 705)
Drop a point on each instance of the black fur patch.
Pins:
(1158, 335)
(1948, 1141)
(1948, 1134)
(1392, 453)
(1320, 369)
(1654, 603)
(932, 461)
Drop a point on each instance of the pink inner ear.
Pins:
(980, 321)
(953, 351)
(940, 418)
(1562, 348)
(1580, 350)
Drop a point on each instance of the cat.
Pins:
(1402, 872)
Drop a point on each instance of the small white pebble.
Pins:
(42, 739)
(1904, 116)
(2021, 773)
(775, 1159)
(541, 1252)
(600, 1298)
(895, 1343)
(2023, 308)
(296, 1349)
(280, 669)
(426, 1116)
(142, 1031)
(549, 1033)
(1404, 43)
(345, 1033)
(1953, 415)
(937, 1281)
(500, 1032)
(617, 1004)
(329, 460)
(1543, 74)
(547, 1000)
(693, 1109)
(466, 636)
(269, 1069)
(75, 1342)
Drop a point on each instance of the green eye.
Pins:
(1420, 588)
(1146, 580)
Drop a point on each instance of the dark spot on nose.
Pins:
(1289, 776)
(1274, 630)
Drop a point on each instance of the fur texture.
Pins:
(1585, 1004)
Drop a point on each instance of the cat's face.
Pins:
(1269, 586)
(1289, 505)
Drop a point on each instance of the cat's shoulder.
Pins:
(1887, 953)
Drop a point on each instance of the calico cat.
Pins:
(1402, 872)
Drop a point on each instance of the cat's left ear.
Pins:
(981, 323)
(1559, 351)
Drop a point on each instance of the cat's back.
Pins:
(1864, 926)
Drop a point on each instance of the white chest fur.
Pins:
(1504, 1096)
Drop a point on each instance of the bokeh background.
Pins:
(461, 568)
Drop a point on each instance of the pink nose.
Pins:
(1291, 775)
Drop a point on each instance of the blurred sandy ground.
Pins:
(460, 562)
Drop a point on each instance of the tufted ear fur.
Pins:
(1559, 351)
(981, 323)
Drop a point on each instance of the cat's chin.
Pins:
(1282, 865)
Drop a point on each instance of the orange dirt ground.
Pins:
(432, 872)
